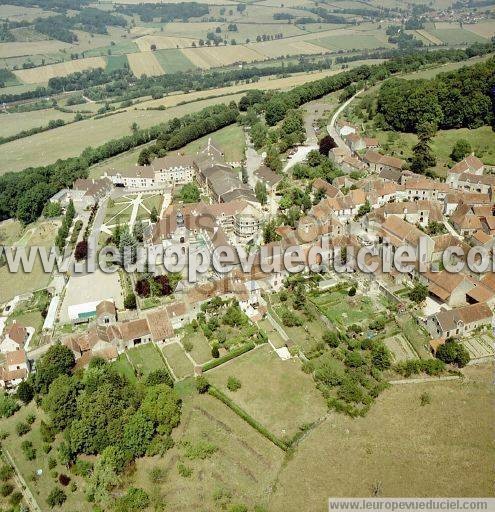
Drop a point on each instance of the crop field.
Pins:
(274, 392)
(456, 36)
(144, 63)
(44, 73)
(20, 13)
(411, 442)
(351, 42)
(116, 62)
(20, 49)
(120, 48)
(177, 360)
(483, 29)
(173, 60)
(206, 58)
(273, 49)
(145, 359)
(16, 122)
(429, 37)
(163, 42)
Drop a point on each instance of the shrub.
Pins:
(8, 406)
(31, 418)
(52, 463)
(202, 384)
(135, 499)
(156, 475)
(46, 431)
(130, 301)
(199, 450)
(15, 498)
(352, 291)
(82, 468)
(64, 480)
(233, 384)
(425, 399)
(47, 448)
(231, 355)
(25, 392)
(56, 498)
(184, 471)
(6, 489)
(215, 352)
(6, 472)
(188, 345)
(73, 487)
(22, 428)
(160, 376)
(331, 339)
(29, 450)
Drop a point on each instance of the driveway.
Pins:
(332, 129)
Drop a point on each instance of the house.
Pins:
(465, 221)
(136, 177)
(459, 321)
(448, 287)
(478, 184)
(174, 169)
(355, 142)
(452, 200)
(330, 190)
(271, 179)
(414, 212)
(377, 162)
(89, 192)
(15, 338)
(14, 369)
(418, 188)
(470, 165)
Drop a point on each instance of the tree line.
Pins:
(24, 194)
(165, 12)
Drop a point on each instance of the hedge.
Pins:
(246, 417)
(233, 353)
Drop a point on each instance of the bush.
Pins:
(188, 345)
(215, 352)
(130, 301)
(202, 385)
(52, 463)
(135, 499)
(15, 498)
(46, 431)
(64, 480)
(200, 450)
(233, 353)
(6, 490)
(82, 468)
(233, 384)
(28, 450)
(22, 429)
(331, 339)
(31, 418)
(6, 472)
(425, 399)
(25, 392)
(8, 406)
(160, 376)
(184, 470)
(352, 291)
(56, 498)
(156, 475)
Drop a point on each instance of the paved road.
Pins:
(332, 129)
(299, 156)
(253, 161)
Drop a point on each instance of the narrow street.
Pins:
(332, 128)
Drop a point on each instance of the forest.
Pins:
(49, 5)
(459, 99)
(165, 12)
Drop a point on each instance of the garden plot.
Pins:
(176, 358)
(146, 359)
(480, 347)
(400, 348)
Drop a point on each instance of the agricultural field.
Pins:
(483, 29)
(177, 360)
(480, 346)
(456, 36)
(20, 49)
(44, 73)
(145, 359)
(400, 348)
(144, 63)
(274, 392)
(351, 42)
(173, 61)
(411, 443)
(14, 123)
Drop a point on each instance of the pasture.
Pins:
(274, 392)
(173, 61)
(483, 29)
(239, 472)
(24, 49)
(456, 36)
(44, 73)
(14, 123)
(352, 457)
(351, 42)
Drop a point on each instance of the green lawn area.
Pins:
(42, 485)
(118, 212)
(201, 351)
(146, 359)
(178, 361)
(274, 392)
(124, 367)
(147, 205)
(230, 140)
(415, 334)
(173, 60)
(120, 48)
(273, 335)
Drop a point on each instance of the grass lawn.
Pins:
(415, 334)
(147, 205)
(399, 447)
(124, 367)
(178, 361)
(273, 335)
(201, 351)
(230, 140)
(274, 392)
(173, 60)
(241, 471)
(145, 359)
(43, 485)
(29, 319)
(12, 124)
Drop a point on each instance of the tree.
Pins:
(423, 157)
(160, 376)
(261, 193)
(58, 360)
(25, 392)
(326, 144)
(202, 385)
(61, 401)
(269, 232)
(127, 248)
(138, 231)
(138, 433)
(189, 193)
(272, 159)
(380, 357)
(154, 214)
(364, 209)
(314, 158)
(130, 301)
(419, 293)
(56, 498)
(233, 383)
(104, 478)
(461, 150)
(81, 251)
(453, 352)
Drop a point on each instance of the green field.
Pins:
(274, 392)
(456, 36)
(124, 367)
(173, 61)
(146, 359)
(14, 123)
(177, 360)
(351, 42)
(116, 62)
